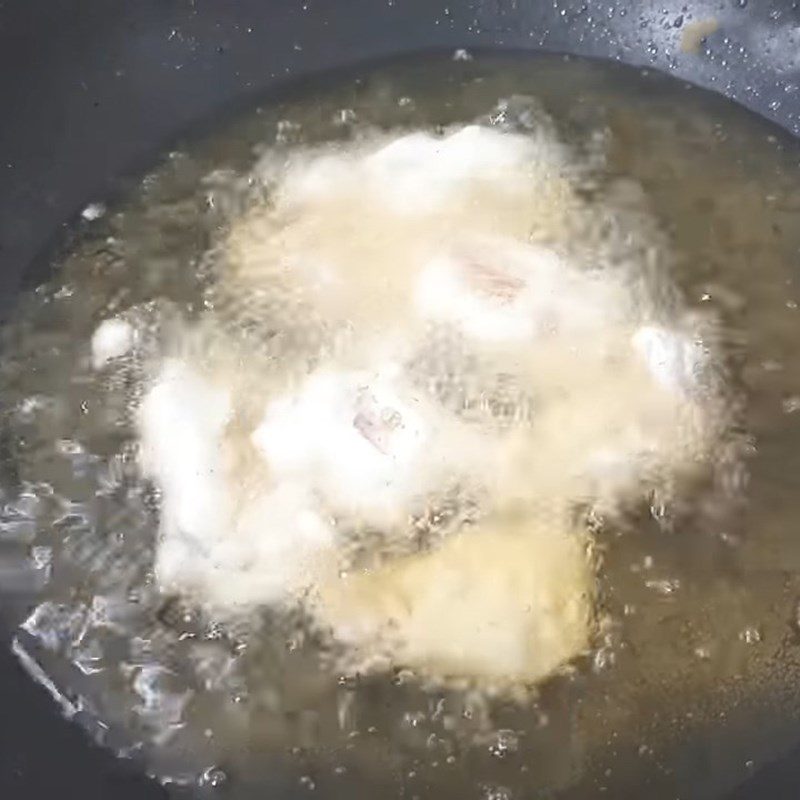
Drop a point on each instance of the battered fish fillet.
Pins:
(507, 600)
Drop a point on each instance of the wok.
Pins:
(91, 89)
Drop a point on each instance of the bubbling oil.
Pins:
(685, 205)
(379, 266)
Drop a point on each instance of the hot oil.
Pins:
(690, 685)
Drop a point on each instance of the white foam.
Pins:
(181, 420)
(415, 173)
(673, 359)
(229, 550)
(422, 172)
(93, 211)
(361, 438)
(506, 291)
(113, 338)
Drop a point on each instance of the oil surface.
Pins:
(693, 686)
